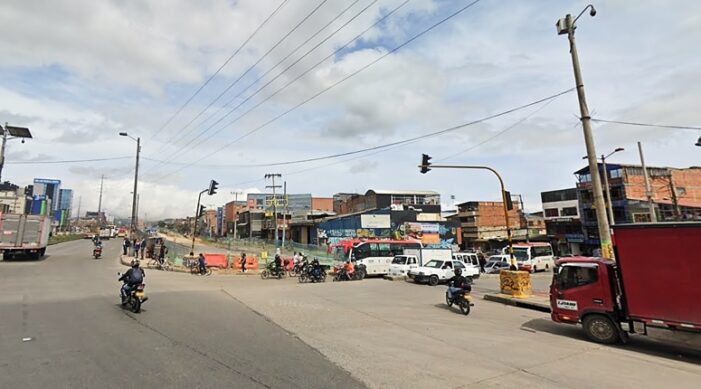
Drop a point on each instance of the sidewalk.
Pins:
(537, 301)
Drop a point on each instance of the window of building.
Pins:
(585, 177)
(616, 173)
(569, 211)
(575, 276)
(552, 212)
(589, 214)
(617, 193)
(586, 196)
(681, 191)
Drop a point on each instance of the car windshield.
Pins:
(521, 253)
(399, 261)
(496, 258)
(434, 264)
(491, 264)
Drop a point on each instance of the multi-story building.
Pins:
(562, 222)
(231, 210)
(484, 226)
(250, 224)
(49, 189)
(424, 201)
(675, 193)
(65, 200)
(13, 199)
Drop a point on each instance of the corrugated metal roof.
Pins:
(403, 192)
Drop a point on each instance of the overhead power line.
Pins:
(400, 142)
(347, 77)
(182, 131)
(254, 33)
(646, 124)
(47, 162)
(232, 110)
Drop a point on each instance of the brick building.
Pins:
(425, 201)
(483, 224)
(676, 195)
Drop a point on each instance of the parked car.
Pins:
(435, 271)
(471, 262)
(494, 267)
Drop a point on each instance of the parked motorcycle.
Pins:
(307, 273)
(462, 299)
(271, 271)
(97, 252)
(135, 298)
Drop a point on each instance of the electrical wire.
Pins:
(280, 74)
(646, 124)
(254, 33)
(48, 162)
(232, 84)
(347, 77)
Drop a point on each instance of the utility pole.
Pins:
(99, 202)
(609, 208)
(273, 186)
(525, 217)
(567, 26)
(80, 199)
(284, 213)
(236, 210)
(648, 189)
(675, 199)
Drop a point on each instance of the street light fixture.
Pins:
(136, 182)
(9, 133)
(567, 26)
(698, 142)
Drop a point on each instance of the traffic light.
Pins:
(201, 212)
(425, 163)
(212, 187)
(509, 203)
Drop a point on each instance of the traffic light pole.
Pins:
(197, 216)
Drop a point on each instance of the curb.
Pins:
(395, 278)
(521, 303)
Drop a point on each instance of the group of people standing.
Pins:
(140, 248)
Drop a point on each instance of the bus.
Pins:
(533, 257)
(375, 254)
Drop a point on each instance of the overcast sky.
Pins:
(78, 72)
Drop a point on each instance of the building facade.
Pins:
(675, 193)
(562, 221)
(427, 202)
(13, 199)
(48, 189)
(484, 226)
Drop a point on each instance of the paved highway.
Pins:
(61, 327)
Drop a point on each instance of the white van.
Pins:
(533, 257)
(471, 262)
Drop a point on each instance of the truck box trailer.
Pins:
(24, 235)
(653, 283)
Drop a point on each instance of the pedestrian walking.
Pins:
(162, 253)
(243, 262)
(125, 246)
(482, 260)
(143, 247)
(137, 247)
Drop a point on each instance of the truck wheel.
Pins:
(600, 329)
(433, 280)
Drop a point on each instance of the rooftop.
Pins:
(403, 192)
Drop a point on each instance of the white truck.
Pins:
(24, 235)
(106, 233)
(471, 262)
(435, 271)
(413, 258)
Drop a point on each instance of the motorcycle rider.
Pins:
(457, 283)
(316, 267)
(277, 264)
(348, 268)
(133, 277)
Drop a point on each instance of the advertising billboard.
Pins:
(375, 221)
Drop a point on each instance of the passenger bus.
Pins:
(375, 254)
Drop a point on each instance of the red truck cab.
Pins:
(653, 283)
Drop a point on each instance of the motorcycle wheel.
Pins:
(264, 274)
(448, 300)
(135, 305)
(465, 307)
(302, 278)
(337, 277)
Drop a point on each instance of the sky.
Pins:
(320, 78)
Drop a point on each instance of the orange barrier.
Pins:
(215, 260)
(251, 263)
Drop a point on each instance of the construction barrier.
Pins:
(251, 262)
(215, 260)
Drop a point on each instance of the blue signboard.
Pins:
(220, 220)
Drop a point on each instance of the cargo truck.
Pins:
(653, 284)
(24, 235)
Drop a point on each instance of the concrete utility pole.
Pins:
(567, 26)
(236, 210)
(80, 200)
(273, 186)
(136, 182)
(284, 212)
(99, 202)
(648, 188)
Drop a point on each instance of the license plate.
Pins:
(139, 294)
(468, 297)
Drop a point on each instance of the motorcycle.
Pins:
(308, 274)
(271, 271)
(463, 299)
(297, 268)
(135, 298)
(359, 273)
(97, 252)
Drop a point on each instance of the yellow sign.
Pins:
(264, 254)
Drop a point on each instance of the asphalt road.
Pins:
(61, 326)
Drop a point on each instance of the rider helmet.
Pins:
(135, 263)
(458, 271)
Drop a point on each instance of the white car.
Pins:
(435, 271)
(401, 264)
(471, 262)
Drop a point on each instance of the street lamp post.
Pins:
(9, 133)
(236, 210)
(136, 182)
(567, 26)
(607, 187)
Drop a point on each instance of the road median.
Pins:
(535, 302)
